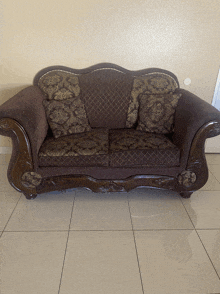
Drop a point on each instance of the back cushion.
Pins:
(149, 84)
(59, 85)
(63, 105)
(156, 113)
(106, 95)
(155, 83)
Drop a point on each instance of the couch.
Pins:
(107, 129)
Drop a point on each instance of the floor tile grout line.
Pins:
(187, 213)
(199, 236)
(135, 246)
(66, 245)
(214, 175)
(208, 254)
(3, 231)
(138, 230)
(201, 241)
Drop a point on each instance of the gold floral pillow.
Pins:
(66, 117)
(59, 85)
(64, 108)
(156, 112)
(152, 83)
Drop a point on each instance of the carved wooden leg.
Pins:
(29, 195)
(186, 194)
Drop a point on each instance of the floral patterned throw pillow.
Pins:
(152, 83)
(64, 108)
(156, 112)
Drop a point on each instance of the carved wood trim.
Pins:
(197, 165)
(187, 178)
(21, 160)
(31, 179)
(70, 181)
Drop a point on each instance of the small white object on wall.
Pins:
(187, 81)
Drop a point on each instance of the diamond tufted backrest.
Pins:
(106, 95)
(109, 92)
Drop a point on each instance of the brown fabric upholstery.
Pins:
(156, 113)
(82, 160)
(27, 109)
(106, 94)
(135, 148)
(191, 114)
(146, 158)
(82, 149)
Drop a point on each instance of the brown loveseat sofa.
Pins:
(108, 129)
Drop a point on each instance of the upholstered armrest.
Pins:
(26, 108)
(191, 115)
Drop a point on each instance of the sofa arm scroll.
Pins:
(27, 109)
(193, 115)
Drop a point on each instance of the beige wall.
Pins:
(182, 36)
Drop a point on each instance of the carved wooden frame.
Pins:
(23, 178)
(21, 161)
(197, 169)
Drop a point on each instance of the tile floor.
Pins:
(144, 241)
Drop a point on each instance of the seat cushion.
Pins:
(82, 149)
(132, 148)
(117, 148)
(156, 113)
